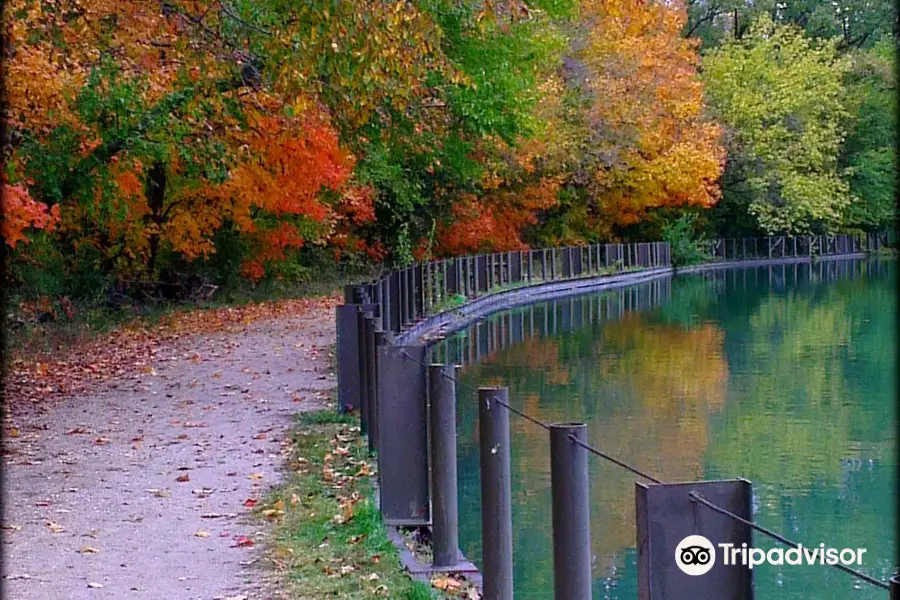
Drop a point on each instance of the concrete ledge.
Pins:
(455, 319)
(422, 571)
(765, 262)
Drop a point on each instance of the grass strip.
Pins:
(328, 538)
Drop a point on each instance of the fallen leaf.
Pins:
(250, 502)
(55, 527)
(446, 583)
(256, 476)
(182, 478)
(242, 542)
(95, 585)
(201, 533)
(88, 550)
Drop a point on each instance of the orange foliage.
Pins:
(659, 149)
(21, 211)
(293, 162)
(287, 177)
(495, 221)
(40, 75)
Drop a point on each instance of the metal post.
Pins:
(490, 272)
(496, 494)
(544, 264)
(571, 512)
(381, 339)
(444, 511)
(419, 297)
(393, 301)
(467, 276)
(349, 294)
(410, 296)
(371, 381)
(404, 304)
(403, 449)
(362, 326)
(895, 587)
(530, 266)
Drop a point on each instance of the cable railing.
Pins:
(694, 496)
(404, 412)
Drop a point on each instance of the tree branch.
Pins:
(242, 21)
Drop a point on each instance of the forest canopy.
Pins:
(168, 141)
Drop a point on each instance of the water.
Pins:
(782, 375)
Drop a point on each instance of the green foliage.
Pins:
(782, 100)
(686, 246)
(870, 151)
(855, 23)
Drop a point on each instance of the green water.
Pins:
(784, 376)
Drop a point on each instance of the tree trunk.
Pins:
(156, 193)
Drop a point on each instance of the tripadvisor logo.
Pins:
(696, 555)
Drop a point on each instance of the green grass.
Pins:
(454, 301)
(322, 554)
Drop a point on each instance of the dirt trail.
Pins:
(137, 490)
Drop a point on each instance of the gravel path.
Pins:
(138, 490)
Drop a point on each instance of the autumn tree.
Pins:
(654, 145)
(782, 101)
(151, 127)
